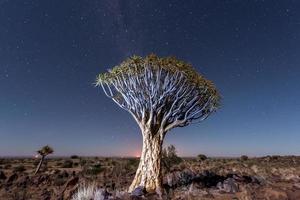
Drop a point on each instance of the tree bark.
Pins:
(149, 174)
(39, 165)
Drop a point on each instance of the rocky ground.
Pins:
(270, 178)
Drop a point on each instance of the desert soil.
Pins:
(270, 178)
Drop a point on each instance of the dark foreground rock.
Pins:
(229, 185)
(138, 192)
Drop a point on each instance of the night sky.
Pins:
(51, 52)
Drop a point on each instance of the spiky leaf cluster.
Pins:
(46, 150)
(164, 92)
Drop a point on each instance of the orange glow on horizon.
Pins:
(137, 154)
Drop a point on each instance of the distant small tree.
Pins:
(160, 94)
(201, 157)
(170, 157)
(43, 152)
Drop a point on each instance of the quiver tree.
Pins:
(43, 152)
(160, 94)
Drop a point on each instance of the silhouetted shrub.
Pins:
(244, 158)
(201, 157)
(170, 158)
(93, 169)
(269, 158)
(275, 157)
(74, 157)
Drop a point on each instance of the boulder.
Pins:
(229, 186)
(122, 195)
(179, 178)
(105, 195)
(139, 191)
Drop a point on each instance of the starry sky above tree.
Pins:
(51, 52)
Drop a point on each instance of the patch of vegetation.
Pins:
(132, 163)
(67, 164)
(93, 169)
(170, 158)
(244, 158)
(74, 157)
(19, 168)
(201, 157)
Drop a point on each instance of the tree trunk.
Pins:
(39, 165)
(148, 174)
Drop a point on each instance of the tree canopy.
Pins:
(160, 93)
(45, 150)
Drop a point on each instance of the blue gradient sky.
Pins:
(51, 52)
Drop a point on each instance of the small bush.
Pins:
(93, 169)
(19, 168)
(170, 158)
(201, 157)
(74, 157)
(67, 164)
(275, 157)
(244, 158)
(7, 166)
